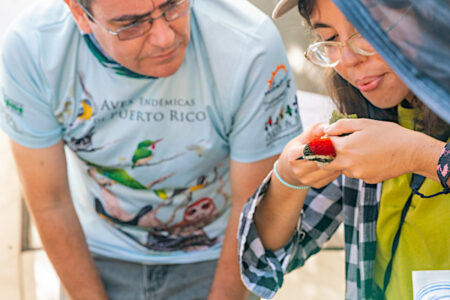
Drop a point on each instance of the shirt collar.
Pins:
(107, 61)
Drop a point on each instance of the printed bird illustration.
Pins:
(289, 110)
(161, 193)
(86, 110)
(133, 220)
(198, 149)
(201, 183)
(64, 112)
(144, 152)
(122, 177)
(282, 113)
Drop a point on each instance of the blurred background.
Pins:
(26, 273)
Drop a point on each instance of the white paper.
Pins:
(428, 285)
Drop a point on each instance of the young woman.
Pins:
(378, 185)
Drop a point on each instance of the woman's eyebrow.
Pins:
(320, 25)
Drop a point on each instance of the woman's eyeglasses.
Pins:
(329, 53)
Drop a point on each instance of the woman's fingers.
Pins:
(344, 126)
(317, 130)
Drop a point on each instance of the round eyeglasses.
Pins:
(329, 53)
(170, 11)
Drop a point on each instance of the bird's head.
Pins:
(149, 144)
(155, 142)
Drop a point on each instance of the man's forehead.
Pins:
(117, 8)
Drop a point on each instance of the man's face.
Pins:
(159, 52)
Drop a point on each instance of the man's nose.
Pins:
(161, 34)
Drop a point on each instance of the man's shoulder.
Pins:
(229, 30)
(237, 18)
(40, 37)
(231, 36)
(43, 19)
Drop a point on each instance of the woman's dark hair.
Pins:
(349, 99)
(86, 4)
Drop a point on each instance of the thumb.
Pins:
(343, 127)
(317, 130)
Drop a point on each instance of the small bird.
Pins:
(320, 150)
(144, 152)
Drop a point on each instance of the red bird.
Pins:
(320, 150)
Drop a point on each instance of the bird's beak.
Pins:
(155, 142)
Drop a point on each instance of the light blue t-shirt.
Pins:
(148, 158)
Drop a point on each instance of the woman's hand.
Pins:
(277, 215)
(304, 172)
(375, 150)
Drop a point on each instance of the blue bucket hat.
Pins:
(413, 37)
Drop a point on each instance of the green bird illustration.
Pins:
(144, 152)
(289, 110)
(120, 176)
(161, 193)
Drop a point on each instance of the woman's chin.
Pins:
(383, 100)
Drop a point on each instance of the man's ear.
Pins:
(79, 15)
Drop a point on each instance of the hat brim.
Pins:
(283, 7)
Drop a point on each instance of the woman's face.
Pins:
(369, 74)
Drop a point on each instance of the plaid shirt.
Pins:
(345, 200)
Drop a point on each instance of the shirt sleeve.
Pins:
(267, 116)
(26, 110)
(262, 270)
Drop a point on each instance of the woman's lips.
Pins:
(370, 83)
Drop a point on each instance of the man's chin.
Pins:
(159, 70)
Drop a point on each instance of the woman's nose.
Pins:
(350, 58)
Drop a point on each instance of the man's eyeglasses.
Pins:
(174, 10)
(329, 53)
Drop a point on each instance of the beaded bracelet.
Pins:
(443, 167)
(297, 187)
(443, 172)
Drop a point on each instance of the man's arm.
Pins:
(244, 178)
(43, 174)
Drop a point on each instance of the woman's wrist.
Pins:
(423, 155)
(284, 182)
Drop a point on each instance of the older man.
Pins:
(139, 129)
